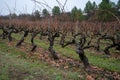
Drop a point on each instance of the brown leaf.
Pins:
(65, 67)
(52, 62)
(57, 65)
(89, 77)
(60, 60)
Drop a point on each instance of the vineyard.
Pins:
(80, 38)
(59, 48)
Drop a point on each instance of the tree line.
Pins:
(101, 12)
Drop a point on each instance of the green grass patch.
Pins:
(104, 61)
(21, 68)
(94, 59)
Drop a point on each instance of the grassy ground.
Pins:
(95, 58)
(14, 65)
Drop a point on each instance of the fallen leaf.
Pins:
(65, 67)
(57, 65)
(89, 77)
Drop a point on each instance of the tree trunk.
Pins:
(111, 46)
(32, 41)
(22, 39)
(9, 35)
(54, 54)
(82, 56)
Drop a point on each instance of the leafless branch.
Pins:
(63, 6)
(10, 17)
(42, 4)
(59, 4)
(15, 6)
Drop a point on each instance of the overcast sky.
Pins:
(28, 6)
